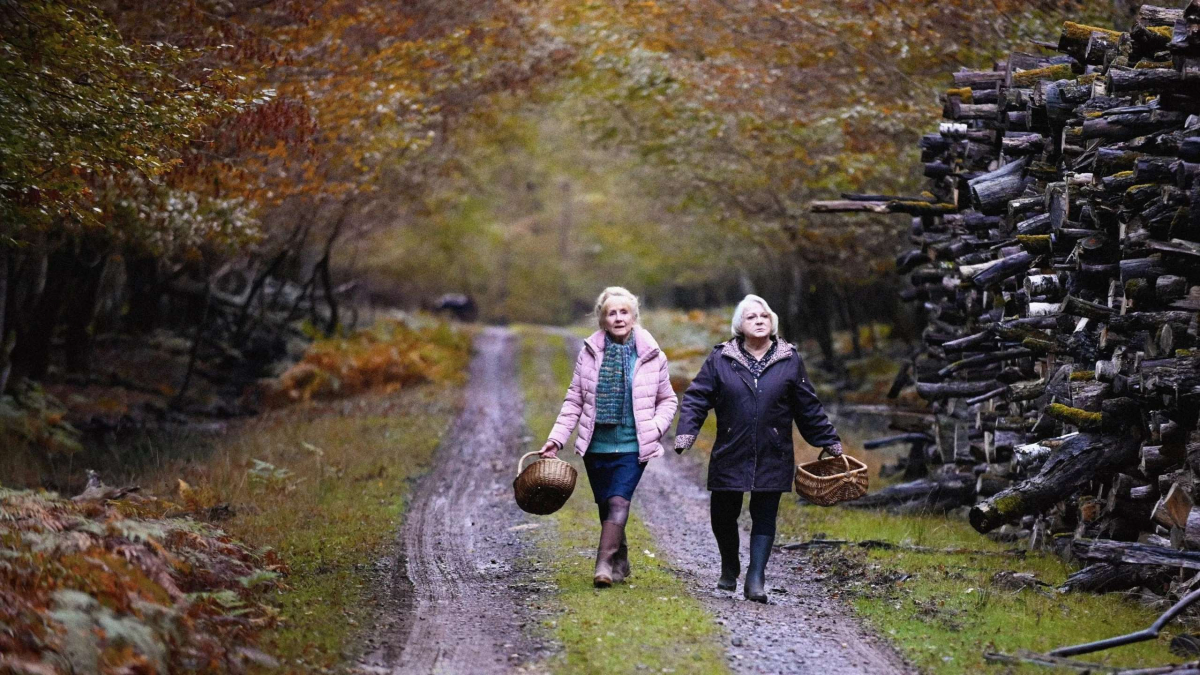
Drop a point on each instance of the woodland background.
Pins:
(222, 168)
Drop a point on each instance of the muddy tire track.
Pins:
(453, 594)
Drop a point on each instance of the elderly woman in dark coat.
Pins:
(758, 385)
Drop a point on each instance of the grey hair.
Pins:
(615, 294)
(735, 326)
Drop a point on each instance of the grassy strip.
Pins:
(949, 610)
(649, 624)
(324, 485)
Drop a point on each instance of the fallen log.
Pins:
(932, 494)
(1079, 460)
(1105, 577)
(1025, 656)
(1132, 553)
(935, 391)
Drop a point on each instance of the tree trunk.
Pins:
(7, 334)
(80, 311)
(145, 293)
(31, 356)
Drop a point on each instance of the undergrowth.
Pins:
(315, 491)
(649, 623)
(96, 586)
(386, 357)
(323, 485)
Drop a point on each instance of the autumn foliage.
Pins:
(384, 358)
(93, 585)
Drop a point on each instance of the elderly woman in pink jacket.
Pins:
(621, 399)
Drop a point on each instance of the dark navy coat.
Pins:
(753, 450)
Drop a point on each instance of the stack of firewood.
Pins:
(1058, 262)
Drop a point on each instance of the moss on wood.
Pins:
(1034, 243)
(963, 93)
(1080, 418)
(1078, 32)
(1027, 78)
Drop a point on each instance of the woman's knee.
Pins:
(764, 508)
(618, 510)
(725, 507)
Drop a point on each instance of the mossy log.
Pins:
(1079, 460)
(1074, 37)
(1092, 310)
(1035, 243)
(1062, 71)
(1078, 417)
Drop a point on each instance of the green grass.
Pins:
(948, 612)
(648, 624)
(344, 470)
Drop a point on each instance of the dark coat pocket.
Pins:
(781, 440)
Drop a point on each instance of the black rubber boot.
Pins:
(728, 544)
(755, 587)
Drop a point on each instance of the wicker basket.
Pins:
(828, 481)
(544, 486)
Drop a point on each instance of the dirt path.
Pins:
(803, 630)
(453, 594)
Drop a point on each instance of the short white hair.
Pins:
(615, 294)
(735, 326)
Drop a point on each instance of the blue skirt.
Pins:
(613, 474)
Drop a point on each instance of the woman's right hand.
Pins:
(549, 450)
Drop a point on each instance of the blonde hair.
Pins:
(735, 326)
(614, 294)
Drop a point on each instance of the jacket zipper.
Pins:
(754, 430)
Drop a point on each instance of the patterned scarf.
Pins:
(613, 384)
(757, 366)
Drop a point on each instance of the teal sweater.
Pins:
(612, 438)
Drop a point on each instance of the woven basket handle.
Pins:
(521, 461)
(843, 456)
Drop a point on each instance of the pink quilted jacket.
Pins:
(654, 401)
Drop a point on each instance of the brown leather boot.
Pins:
(610, 540)
(621, 569)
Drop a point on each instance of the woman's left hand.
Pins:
(834, 450)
